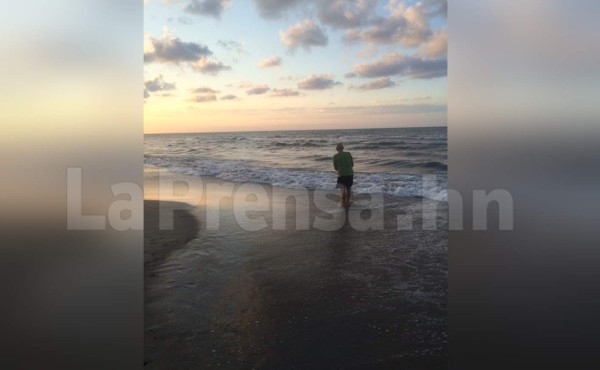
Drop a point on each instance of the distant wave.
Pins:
(431, 165)
(374, 146)
(300, 144)
(436, 165)
(393, 162)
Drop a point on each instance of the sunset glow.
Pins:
(218, 65)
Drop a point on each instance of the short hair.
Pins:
(340, 146)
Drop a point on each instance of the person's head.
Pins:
(339, 147)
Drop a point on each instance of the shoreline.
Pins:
(158, 244)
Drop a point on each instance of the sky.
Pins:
(262, 65)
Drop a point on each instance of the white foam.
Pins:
(244, 171)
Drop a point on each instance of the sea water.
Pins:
(409, 162)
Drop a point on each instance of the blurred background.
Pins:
(70, 96)
(522, 116)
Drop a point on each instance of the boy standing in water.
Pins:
(343, 164)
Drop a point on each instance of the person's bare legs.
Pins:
(346, 192)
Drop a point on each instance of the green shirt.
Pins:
(343, 163)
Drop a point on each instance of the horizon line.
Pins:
(317, 129)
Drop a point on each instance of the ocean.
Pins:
(219, 295)
(406, 162)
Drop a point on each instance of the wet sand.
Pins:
(286, 299)
(159, 244)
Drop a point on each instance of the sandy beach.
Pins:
(294, 299)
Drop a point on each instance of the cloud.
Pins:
(436, 46)
(231, 45)
(380, 83)
(204, 98)
(157, 84)
(334, 13)
(344, 13)
(258, 90)
(210, 67)
(318, 82)
(352, 35)
(277, 93)
(275, 8)
(167, 49)
(406, 26)
(210, 8)
(409, 66)
(274, 61)
(204, 90)
(304, 34)
(350, 75)
(245, 85)
(204, 94)
(229, 97)
(437, 7)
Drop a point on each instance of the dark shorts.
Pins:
(346, 181)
